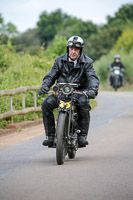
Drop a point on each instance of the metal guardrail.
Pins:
(24, 110)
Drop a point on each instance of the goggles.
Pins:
(75, 45)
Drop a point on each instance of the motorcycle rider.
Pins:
(114, 64)
(72, 67)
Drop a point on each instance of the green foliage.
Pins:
(41, 60)
(59, 23)
(10, 30)
(7, 30)
(21, 70)
(93, 103)
(125, 41)
(103, 41)
(1, 19)
(100, 43)
(6, 55)
(101, 66)
(50, 24)
(28, 42)
(122, 19)
(57, 48)
(24, 69)
(74, 26)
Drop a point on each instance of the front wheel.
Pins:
(116, 84)
(61, 144)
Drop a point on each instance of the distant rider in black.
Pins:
(122, 68)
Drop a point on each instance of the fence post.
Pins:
(23, 103)
(11, 108)
(34, 98)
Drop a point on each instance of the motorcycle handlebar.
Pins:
(74, 92)
(82, 93)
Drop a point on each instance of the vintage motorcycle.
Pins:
(115, 73)
(66, 135)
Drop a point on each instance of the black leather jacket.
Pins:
(119, 64)
(64, 71)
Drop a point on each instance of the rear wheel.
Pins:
(61, 144)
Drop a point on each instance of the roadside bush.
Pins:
(7, 53)
(125, 41)
(57, 48)
(21, 70)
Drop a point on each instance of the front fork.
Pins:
(72, 132)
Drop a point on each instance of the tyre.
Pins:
(116, 88)
(71, 153)
(61, 144)
(116, 84)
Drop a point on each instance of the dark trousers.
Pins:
(83, 108)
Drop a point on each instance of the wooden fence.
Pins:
(24, 110)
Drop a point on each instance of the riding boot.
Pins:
(83, 122)
(48, 142)
(82, 140)
(49, 125)
(48, 105)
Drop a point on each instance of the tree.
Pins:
(28, 41)
(57, 48)
(101, 42)
(11, 30)
(123, 17)
(50, 24)
(125, 41)
(1, 24)
(8, 30)
(1, 19)
(75, 26)
(105, 38)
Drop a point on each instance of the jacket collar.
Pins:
(81, 58)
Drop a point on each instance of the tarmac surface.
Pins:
(101, 171)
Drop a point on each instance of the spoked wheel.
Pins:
(61, 144)
(71, 153)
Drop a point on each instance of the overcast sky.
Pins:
(24, 14)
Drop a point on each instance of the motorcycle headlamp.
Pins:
(56, 90)
(67, 89)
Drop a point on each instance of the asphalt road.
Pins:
(101, 171)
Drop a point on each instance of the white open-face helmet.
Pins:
(75, 42)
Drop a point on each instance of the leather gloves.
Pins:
(43, 90)
(91, 94)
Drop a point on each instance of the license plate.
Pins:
(64, 104)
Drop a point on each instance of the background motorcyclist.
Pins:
(72, 67)
(118, 64)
